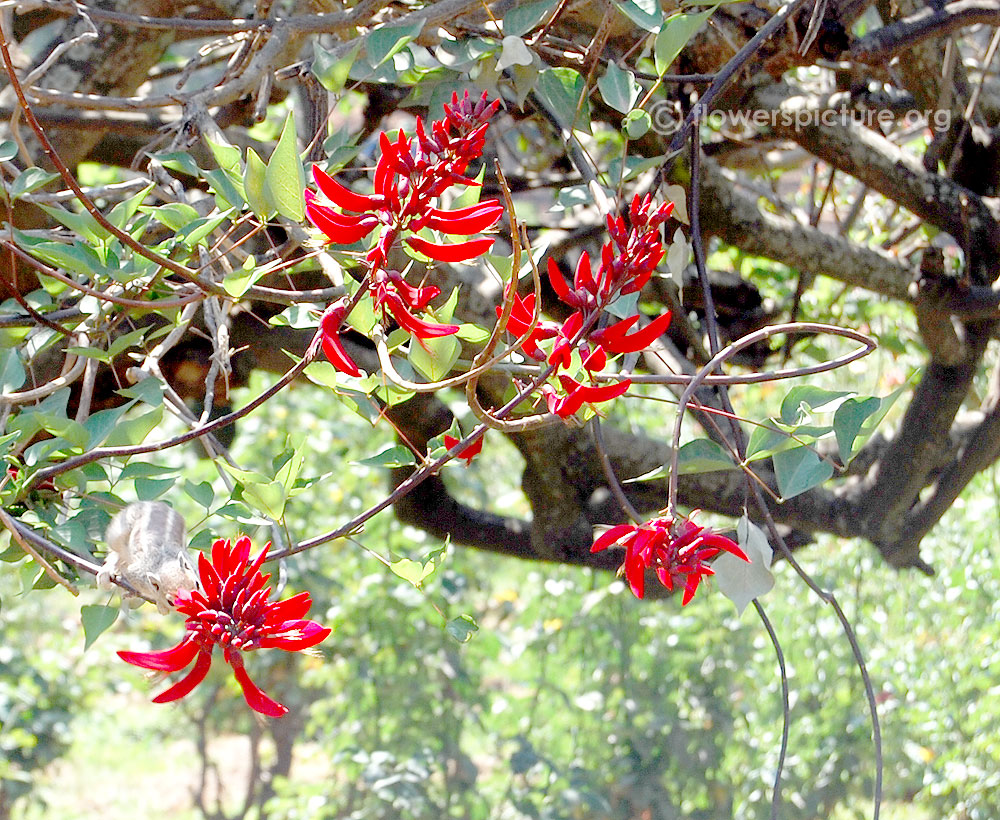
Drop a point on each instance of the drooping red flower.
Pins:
(521, 315)
(616, 338)
(627, 261)
(329, 326)
(467, 453)
(409, 174)
(232, 611)
(677, 550)
(577, 394)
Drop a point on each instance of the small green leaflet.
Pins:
(416, 572)
(393, 456)
(96, 620)
(701, 455)
(801, 400)
(675, 34)
(285, 179)
(253, 185)
(562, 90)
(619, 88)
(799, 470)
(383, 43)
(519, 21)
(645, 13)
(462, 628)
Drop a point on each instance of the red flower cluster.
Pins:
(410, 173)
(232, 611)
(677, 550)
(627, 262)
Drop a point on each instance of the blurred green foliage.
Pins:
(573, 699)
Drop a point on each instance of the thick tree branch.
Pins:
(930, 21)
(872, 159)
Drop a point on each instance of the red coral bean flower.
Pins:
(616, 338)
(676, 550)
(577, 394)
(232, 611)
(466, 453)
(329, 326)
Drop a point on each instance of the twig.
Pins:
(15, 533)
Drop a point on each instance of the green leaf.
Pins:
(180, 161)
(123, 212)
(135, 430)
(239, 281)
(799, 401)
(266, 496)
(766, 441)
(96, 620)
(473, 334)
(703, 456)
(228, 158)
(76, 258)
(82, 224)
(8, 150)
(99, 425)
(30, 180)
(619, 88)
(285, 179)
(434, 358)
(253, 185)
(646, 13)
(519, 21)
(148, 489)
(799, 470)
(149, 391)
(462, 628)
(195, 232)
(636, 124)
(175, 215)
(848, 420)
(675, 34)
(385, 42)
(202, 493)
(331, 72)
(561, 90)
(228, 195)
(416, 572)
(12, 374)
(392, 456)
(143, 469)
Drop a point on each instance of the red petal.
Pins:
(411, 324)
(296, 635)
(583, 278)
(256, 699)
(210, 580)
(169, 660)
(643, 337)
(189, 681)
(466, 221)
(341, 196)
(606, 539)
(557, 281)
(290, 609)
(342, 234)
(635, 574)
(458, 252)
